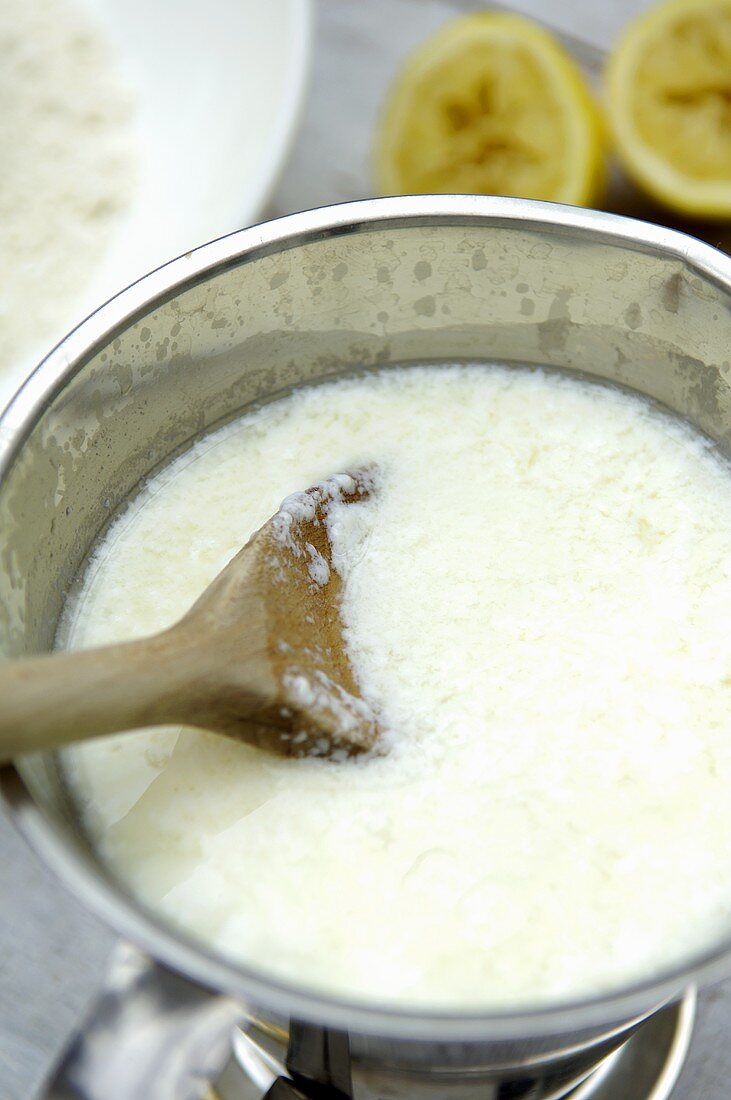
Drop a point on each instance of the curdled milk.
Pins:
(537, 602)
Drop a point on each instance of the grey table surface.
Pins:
(52, 952)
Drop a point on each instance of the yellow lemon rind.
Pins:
(584, 185)
(654, 174)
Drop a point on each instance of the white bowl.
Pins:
(219, 87)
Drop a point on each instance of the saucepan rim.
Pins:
(100, 894)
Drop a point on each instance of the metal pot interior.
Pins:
(373, 285)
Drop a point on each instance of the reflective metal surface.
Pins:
(646, 1067)
(151, 1034)
(369, 285)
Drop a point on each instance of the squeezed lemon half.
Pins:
(491, 104)
(669, 99)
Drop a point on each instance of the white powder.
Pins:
(537, 600)
(67, 168)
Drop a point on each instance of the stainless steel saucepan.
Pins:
(370, 284)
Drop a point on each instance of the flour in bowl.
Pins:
(536, 602)
(68, 157)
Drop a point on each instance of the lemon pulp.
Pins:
(491, 104)
(669, 85)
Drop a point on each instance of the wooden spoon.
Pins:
(259, 657)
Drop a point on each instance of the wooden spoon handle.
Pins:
(51, 700)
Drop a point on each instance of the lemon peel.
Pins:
(669, 101)
(491, 104)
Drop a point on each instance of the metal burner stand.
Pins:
(646, 1067)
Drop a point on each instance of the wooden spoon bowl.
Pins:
(259, 657)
